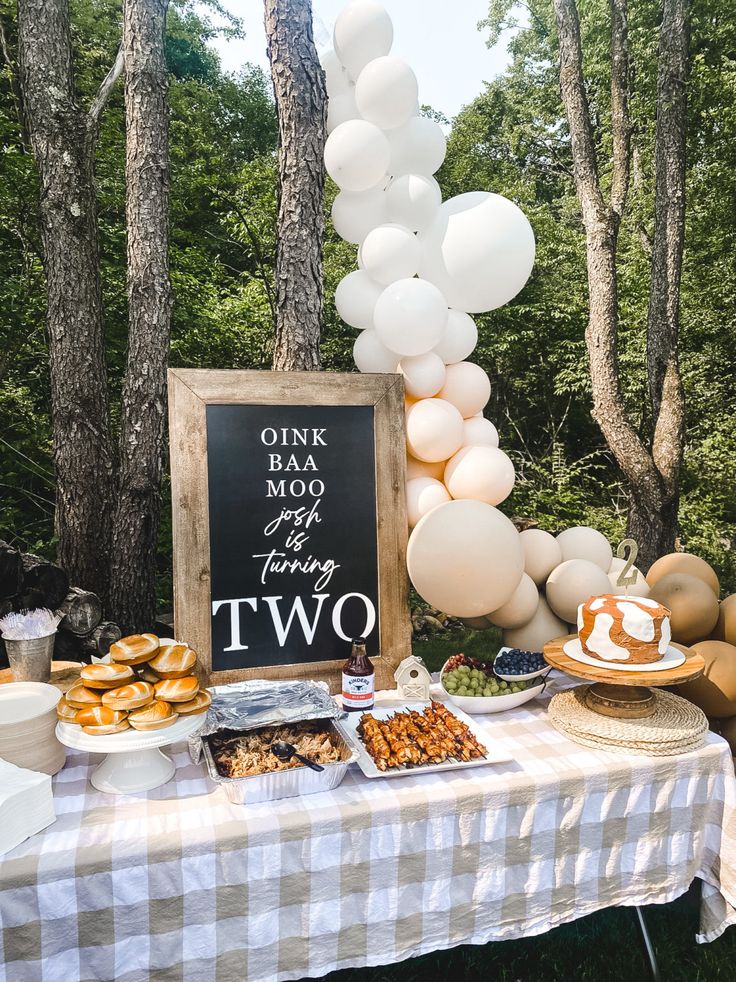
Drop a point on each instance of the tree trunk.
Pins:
(63, 138)
(143, 414)
(301, 101)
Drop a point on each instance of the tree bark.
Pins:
(651, 471)
(63, 139)
(143, 414)
(301, 101)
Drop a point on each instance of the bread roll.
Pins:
(80, 697)
(135, 649)
(173, 661)
(65, 712)
(129, 696)
(100, 716)
(177, 690)
(155, 716)
(200, 704)
(98, 676)
(103, 730)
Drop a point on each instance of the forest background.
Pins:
(511, 139)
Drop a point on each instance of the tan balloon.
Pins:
(715, 690)
(465, 558)
(541, 554)
(434, 429)
(725, 629)
(728, 732)
(424, 468)
(543, 627)
(520, 608)
(477, 623)
(479, 432)
(684, 562)
(466, 386)
(693, 604)
(586, 543)
(638, 589)
(483, 473)
(572, 583)
(422, 495)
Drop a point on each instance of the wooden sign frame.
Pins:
(190, 392)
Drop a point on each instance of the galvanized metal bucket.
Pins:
(30, 660)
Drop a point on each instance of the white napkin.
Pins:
(26, 804)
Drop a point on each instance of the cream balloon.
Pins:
(479, 432)
(363, 31)
(418, 147)
(355, 299)
(341, 107)
(434, 429)
(386, 92)
(543, 627)
(422, 495)
(372, 357)
(424, 375)
(571, 584)
(459, 339)
(356, 155)
(410, 316)
(466, 386)
(541, 554)
(479, 251)
(639, 589)
(412, 200)
(448, 558)
(354, 214)
(424, 468)
(483, 473)
(389, 253)
(582, 542)
(521, 606)
(477, 623)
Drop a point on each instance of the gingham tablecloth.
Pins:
(179, 884)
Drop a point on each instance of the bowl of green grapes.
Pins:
(472, 686)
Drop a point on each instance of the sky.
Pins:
(438, 38)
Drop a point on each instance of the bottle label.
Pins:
(358, 691)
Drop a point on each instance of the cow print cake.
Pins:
(631, 629)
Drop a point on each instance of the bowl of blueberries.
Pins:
(477, 687)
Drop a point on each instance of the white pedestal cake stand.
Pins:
(134, 761)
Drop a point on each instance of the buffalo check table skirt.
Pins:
(179, 884)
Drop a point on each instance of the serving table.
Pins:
(180, 883)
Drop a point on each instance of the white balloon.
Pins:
(336, 78)
(354, 214)
(355, 299)
(356, 155)
(371, 356)
(412, 200)
(424, 468)
(410, 316)
(418, 147)
(582, 542)
(424, 375)
(464, 558)
(386, 92)
(521, 606)
(459, 339)
(541, 554)
(479, 432)
(363, 31)
(479, 251)
(543, 627)
(341, 107)
(389, 253)
(482, 473)
(639, 589)
(422, 495)
(434, 429)
(466, 386)
(571, 584)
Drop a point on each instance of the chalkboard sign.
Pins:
(289, 521)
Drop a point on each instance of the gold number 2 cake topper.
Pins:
(627, 550)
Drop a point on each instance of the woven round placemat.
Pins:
(675, 727)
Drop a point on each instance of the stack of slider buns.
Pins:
(148, 685)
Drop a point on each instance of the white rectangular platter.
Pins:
(349, 729)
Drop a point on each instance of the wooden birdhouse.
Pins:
(413, 679)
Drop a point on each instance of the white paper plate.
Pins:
(672, 659)
(22, 701)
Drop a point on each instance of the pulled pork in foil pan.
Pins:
(249, 754)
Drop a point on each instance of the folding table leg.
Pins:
(649, 947)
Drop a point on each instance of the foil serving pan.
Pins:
(289, 783)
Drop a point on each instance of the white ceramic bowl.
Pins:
(521, 678)
(482, 705)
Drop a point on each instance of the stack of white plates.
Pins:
(27, 726)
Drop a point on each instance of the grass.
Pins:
(603, 946)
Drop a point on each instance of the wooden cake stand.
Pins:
(623, 695)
